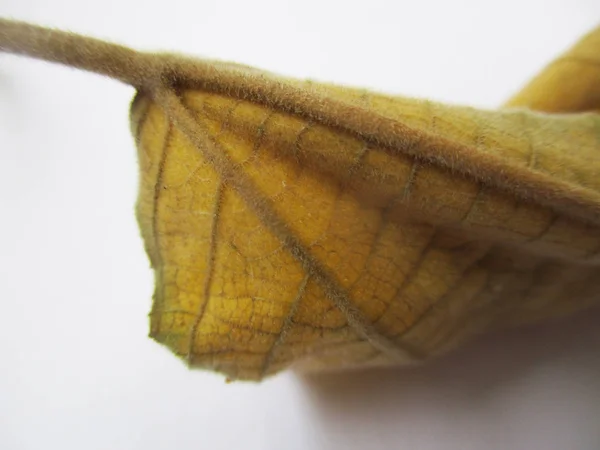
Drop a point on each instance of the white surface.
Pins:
(78, 371)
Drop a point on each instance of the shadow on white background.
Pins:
(533, 387)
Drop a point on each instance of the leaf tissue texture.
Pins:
(295, 224)
(285, 238)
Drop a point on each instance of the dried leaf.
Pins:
(297, 224)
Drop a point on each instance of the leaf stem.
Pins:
(115, 61)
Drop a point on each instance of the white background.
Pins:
(77, 370)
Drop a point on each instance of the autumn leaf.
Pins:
(299, 224)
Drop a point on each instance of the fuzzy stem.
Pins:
(112, 60)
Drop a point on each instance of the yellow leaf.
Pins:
(306, 225)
